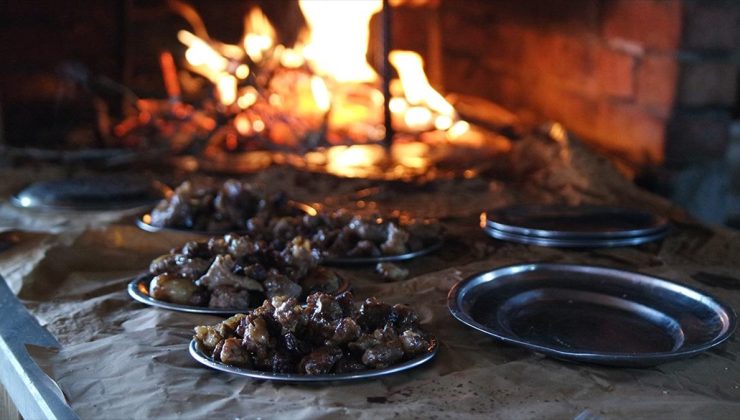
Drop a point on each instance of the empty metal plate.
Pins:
(138, 289)
(592, 314)
(575, 242)
(332, 377)
(580, 222)
(103, 192)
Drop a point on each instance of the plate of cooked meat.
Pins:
(330, 338)
(230, 274)
(345, 238)
(209, 207)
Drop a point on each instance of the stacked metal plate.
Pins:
(574, 227)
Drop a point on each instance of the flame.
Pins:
(416, 87)
(324, 85)
(354, 161)
(320, 94)
(339, 33)
(259, 34)
(204, 58)
(242, 124)
(226, 86)
(247, 98)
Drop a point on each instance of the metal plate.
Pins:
(142, 222)
(385, 258)
(581, 222)
(575, 243)
(138, 289)
(592, 314)
(292, 377)
(104, 192)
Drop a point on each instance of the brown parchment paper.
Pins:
(121, 359)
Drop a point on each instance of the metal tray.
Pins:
(138, 289)
(385, 258)
(105, 192)
(592, 314)
(143, 223)
(581, 222)
(292, 377)
(577, 242)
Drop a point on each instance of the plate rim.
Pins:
(133, 291)
(116, 205)
(613, 359)
(575, 243)
(201, 358)
(564, 234)
(338, 261)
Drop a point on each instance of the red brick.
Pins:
(457, 70)
(549, 97)
(707, 83)
(656, 24)
(657, 78)
(463, 36)
(695, 136)
(505, 46)
(711, 26)
(632, 132)
(615, 72)
(569, 58)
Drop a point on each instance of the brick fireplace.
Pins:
(649, 82)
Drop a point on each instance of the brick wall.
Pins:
(650, 81)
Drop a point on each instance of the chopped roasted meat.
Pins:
(346, 330)
(323, 337)
(413, 342)
(221, 273)
(386, 351)
(231, 272)
(391, 271)
(340, 234)
(277, 284)
(229, 297)
(233, 353)
(212, 206)
(172, 289)
(179, 265)
(395, 242)
(374, 314)
(320, 361)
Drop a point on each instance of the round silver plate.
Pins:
(70, 194)
(385, 258)
(143, 224)
(138, 289)
(592, 314)
(576, 242)
(335, 377)
(581, 222)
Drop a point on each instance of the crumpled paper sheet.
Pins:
(121, 359)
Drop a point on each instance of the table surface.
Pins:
(119, 358)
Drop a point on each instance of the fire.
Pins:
(322, 92)
(339, 34)
(259, 35)
(202, 56)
